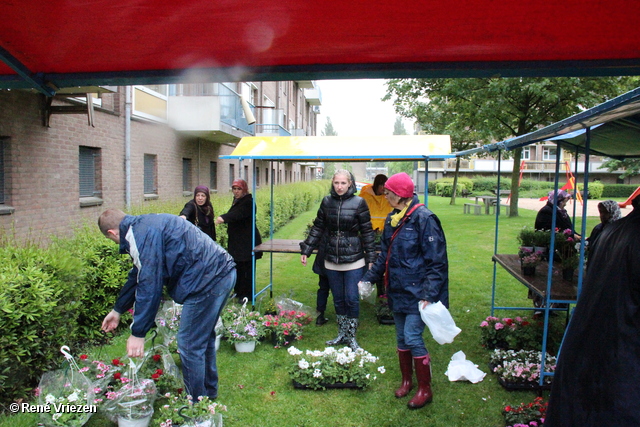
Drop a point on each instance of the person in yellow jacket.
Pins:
(379, 206)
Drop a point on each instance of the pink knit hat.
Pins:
(400, 184)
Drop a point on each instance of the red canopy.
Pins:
(72, 43)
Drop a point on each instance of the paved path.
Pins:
(592, 206)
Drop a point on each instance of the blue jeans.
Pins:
(197, 337)
(409, 329)
(344, 287)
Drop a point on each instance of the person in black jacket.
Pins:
(199, 211)
(414, 263)
(348, 250)
(598, 370)
(545, 215)
(239, 220)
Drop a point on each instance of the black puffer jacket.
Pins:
(347, 223)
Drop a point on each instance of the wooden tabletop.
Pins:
(285, 246)
(560, 289)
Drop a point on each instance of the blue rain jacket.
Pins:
(166, 251)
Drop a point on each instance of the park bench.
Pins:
(477, 209)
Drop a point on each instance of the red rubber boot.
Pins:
(423, 373)
(406, 368)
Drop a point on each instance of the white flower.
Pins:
(73, 397)
(303, 364)
(317, 373)
(294, 351)
(367, 376)
(50, 399)
(314, 364)
(381, 369)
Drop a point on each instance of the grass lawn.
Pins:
(258, 392)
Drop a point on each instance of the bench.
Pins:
(502, 193)
(477, 209)
(504, 209)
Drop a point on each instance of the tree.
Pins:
(481, 111)
(398, 127)
(328, 129)
(329, 167)
(631, 167)
(397, 167)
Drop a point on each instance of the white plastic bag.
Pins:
(367, 292)
(460, 369)
(440, 323)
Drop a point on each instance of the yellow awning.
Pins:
(343, 148)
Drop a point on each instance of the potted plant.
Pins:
(384, 314)
(285, 327)
(160, 367)
(333, 368)
(244, 328)
(526, 415)
(520, 370)
(529, 260)
(99, 373)
(60, 397)
(566, 250)
(526, 238)
(179, 409)
(132, 404)
(541, 241)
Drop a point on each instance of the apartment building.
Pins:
(64, 160)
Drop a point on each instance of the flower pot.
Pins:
(245, 347)
(567, 274)
(218, 339)
(137, 422)
(529, 270)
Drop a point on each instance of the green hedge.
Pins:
(444, 186)
(59, 295)
(617, 190)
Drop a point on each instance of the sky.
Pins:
(356, 109)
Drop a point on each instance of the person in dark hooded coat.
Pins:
(597, 378)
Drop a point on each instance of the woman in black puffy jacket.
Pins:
(348, 250)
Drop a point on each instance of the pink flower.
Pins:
(484, 324)
(499, 326)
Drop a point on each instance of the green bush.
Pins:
(617, 190)
(596, 189)
(40, 302)
(444, 186)
(489, 184)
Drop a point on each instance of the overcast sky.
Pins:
(356, 109)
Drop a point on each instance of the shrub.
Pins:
(616, 190)
(40, 300)
(444, 186)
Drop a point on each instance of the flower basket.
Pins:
(520, 370)
(333, 368)
(159, 366)
(285, 327)
(134, 400)
(168, 322)
(181, 410)
(384, 314)
(242, 325)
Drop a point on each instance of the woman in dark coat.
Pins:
(596, 379)
(348, 249)
(239, 222)
(199, 211)
(414, 263)
(545, 215)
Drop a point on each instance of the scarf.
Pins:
(395, 218)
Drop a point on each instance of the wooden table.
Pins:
(560, 289)
(283, 246)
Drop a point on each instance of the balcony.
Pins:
(271, 130)
(313, 96)
(306, 84)
(217, 118)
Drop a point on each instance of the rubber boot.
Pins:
(406, 368)
(321, 320)
(342, 331)
(352, 328)
(423, 373)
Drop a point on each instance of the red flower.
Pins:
(83, 357)
(159, 371)
(508, 321)
(117, 376)
(508, 409)
(155, 377)
(116, 362)
(273, 393)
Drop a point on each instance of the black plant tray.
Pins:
(334, 385)
(531, 386)
(384, 320)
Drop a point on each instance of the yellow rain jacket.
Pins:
(378, 206)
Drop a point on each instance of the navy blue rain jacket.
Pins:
(418, 265)
(166, 251)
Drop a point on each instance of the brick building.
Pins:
(127, 146)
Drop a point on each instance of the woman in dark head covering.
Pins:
(545, 215)
(239, 220)
(199, 211)
(609, 212)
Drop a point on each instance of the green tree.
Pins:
(482, 111)
(397, 167)
(631, 167)
(329, 167)
(398, 127)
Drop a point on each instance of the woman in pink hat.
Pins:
(413, 262)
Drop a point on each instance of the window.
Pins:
(2, 194)
(186, 175)
(89, 172)
(549, 153)
(213, 176)
(266, 175)
(150, 174)
(246, 173)
(526, 153)
(232, 174)
(257, 175)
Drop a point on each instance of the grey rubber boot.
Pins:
(342, 331)
(352, 328)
